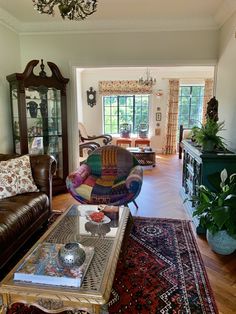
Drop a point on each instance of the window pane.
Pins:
(190, 105)
(185, 91)
(114, 110)
(106, 110)
(132, 109)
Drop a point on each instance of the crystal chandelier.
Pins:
(70, 9)
(148, 81)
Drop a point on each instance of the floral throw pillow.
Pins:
(16, 177)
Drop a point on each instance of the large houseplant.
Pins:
(207, 135)
(217, 212)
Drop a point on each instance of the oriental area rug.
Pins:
(162, 272)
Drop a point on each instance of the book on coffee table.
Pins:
(43, 266)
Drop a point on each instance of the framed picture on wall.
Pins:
(158, 116)
(157, 131)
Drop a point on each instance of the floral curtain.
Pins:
(208, 94)
(172, 118)
(123, 87)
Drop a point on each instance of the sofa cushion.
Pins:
(17, 213)
(16, 177)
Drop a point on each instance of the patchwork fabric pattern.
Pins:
(16, 177)
(114, 177)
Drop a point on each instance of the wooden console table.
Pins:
(142, 141)
(125, 141)
(197, 166)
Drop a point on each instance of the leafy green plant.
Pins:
(217, 209)
(208, 132)
(194, 132)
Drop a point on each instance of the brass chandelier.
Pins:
(148, 80)
(70, 9)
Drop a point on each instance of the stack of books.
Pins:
(43, 266)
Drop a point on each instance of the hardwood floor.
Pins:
(159, 197)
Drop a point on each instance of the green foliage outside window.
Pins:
(132, 109)
(190, 105)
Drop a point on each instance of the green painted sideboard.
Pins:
(197, 166)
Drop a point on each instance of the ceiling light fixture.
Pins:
(148, 81)
(70, 9)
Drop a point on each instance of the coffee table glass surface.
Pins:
(75, 226)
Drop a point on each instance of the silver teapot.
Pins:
(71, 254)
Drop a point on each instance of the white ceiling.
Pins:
(123, 15)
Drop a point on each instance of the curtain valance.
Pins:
(107, 88)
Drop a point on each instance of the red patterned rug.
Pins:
(163, 272)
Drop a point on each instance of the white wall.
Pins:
(9, 63)
(117, 49)
(92, 117)
(122, 49)
(226, 81)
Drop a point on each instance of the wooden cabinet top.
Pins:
(196, 152)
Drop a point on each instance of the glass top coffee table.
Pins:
(73, 225)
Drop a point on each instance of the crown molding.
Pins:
(9, 21)
(122, 26)
(224, 12)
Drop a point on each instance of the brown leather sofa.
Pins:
(22, 215)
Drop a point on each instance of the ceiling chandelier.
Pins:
(148, 81)
(70, 9)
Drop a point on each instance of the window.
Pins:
(132, 109)
(190, 105)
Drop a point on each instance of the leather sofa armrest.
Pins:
(134, 180)
(43, 168)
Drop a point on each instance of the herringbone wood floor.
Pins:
(160, 198)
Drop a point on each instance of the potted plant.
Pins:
(207, 135)
(217, 212)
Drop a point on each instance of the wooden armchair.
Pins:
(84, 137)
(183, 134)
(87, 148)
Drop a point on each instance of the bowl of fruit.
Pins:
(98, 217)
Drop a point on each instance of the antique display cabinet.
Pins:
(197, 167)
(39, 115)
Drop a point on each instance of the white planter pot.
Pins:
(221, 242)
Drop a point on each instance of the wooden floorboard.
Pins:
(160, 197)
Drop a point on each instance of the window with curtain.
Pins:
(119, 109)
(190, 105)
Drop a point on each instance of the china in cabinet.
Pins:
(39, 115)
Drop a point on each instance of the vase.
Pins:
(221, 242)
(208, 146)
(33, 109)
(71, 254)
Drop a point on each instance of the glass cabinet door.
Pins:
(39, 116)
(16, 122)
(43, 113)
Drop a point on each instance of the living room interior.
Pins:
(90, 77)
(188, 41)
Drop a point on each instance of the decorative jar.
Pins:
(221, 242)
(71, 254)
